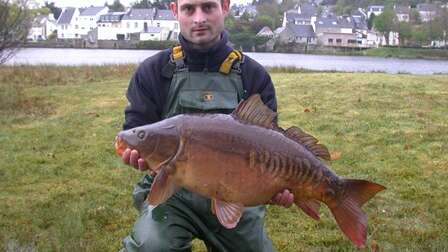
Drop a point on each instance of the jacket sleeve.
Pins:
(145, 93)
(257, 81)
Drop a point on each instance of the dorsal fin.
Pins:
(253, 111)
(307, 140)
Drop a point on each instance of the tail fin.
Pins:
(348, 214)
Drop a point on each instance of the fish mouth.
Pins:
(120, 145)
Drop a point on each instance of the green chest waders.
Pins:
(171, 226)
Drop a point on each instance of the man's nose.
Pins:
(199, 16)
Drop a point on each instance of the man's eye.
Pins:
(188, 9)
(207, 8)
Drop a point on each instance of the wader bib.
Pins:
(171, 226)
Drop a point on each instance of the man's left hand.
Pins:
(285, 199)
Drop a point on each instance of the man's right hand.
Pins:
(132, 158)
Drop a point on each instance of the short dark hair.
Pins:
(222, 1)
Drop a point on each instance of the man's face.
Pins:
(201, 21)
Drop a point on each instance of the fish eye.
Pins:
(141, 134)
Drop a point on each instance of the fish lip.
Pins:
(120, 145)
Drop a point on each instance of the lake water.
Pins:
(35, 56)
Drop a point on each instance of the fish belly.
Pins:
(226, 176)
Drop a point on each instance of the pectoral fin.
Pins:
(162, 188)
(228, 214)
(310, 207)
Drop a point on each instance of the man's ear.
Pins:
(225, 7)
(173, 7)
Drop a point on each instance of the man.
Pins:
(202, 75)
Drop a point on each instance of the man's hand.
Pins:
(132, 158)
(285, 198)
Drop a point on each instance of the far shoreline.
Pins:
(381, 52)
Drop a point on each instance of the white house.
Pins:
(375, 9)
(305, 14)
(427, 11)
(265, 32)
(42, 27)
(149, 22)
(165, 19)
(110, 27)
(87, 20)
(66, 29)
(403, 13)
(154, 33)
(137, 20)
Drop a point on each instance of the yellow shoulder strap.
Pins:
(177, 53)
(228, 62)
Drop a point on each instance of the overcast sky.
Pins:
(85, 3)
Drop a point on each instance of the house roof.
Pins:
(164, 15)
(333, 22)
(400, 9)
(66, 16)
(427, 7)
(292, 16)
(265, 31)
(279, 29)
(140, 14)
(308, 9)
(375, 8)
(91, 11)
(301, 30)
(360, 23)
(359, 13)
(111, 17)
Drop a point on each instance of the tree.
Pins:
(442, 23)
(415, 17)
(262, 21)
(143, 4)
(15, 22)
(404, 30)
(370, 21)
(420, 36)
(55, 10)
(272, 10)
(116, 6)
(384, 23)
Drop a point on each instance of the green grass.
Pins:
(62, 188)
(407, 53)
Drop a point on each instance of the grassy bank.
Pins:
(407, 53)
(62, 188)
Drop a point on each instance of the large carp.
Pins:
(244, 159)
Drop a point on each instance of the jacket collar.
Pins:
(210, 58)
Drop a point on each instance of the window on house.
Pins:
(351, 41)
(176, 25)
(158, 24)
(330, 41)
(136, 24)
(76, 26)
(128, 25)
(338, 41)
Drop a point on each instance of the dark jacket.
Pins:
(148, 89)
